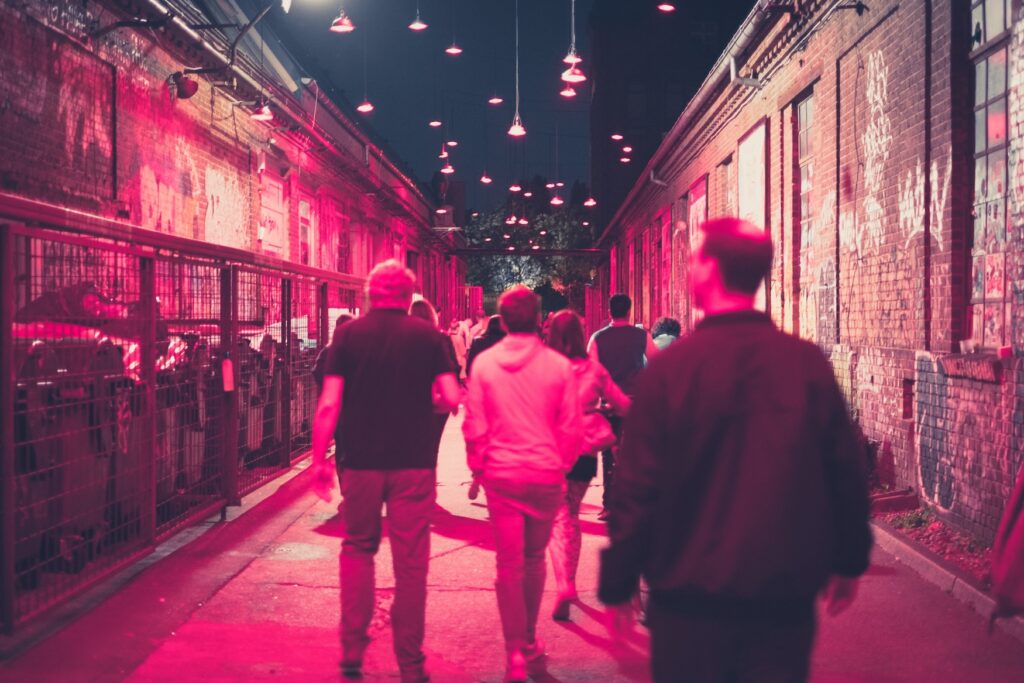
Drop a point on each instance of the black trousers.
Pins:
(727, 649)
(608, 460)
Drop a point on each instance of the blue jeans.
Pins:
(521, 516)
(409, 496)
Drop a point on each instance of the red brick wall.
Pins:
(90, 124)
(879, 279)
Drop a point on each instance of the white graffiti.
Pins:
(226, 211)
(911, 201)
(877, 141)
(168, 197)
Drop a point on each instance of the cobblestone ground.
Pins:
(257, 599)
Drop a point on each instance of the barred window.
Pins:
(988, 313)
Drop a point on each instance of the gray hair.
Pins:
(390, 285)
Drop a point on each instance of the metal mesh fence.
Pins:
(124, 427)
(80, 462)
(261, 358)
(189, 399)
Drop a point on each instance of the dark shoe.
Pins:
(561, 612)
(604, 515)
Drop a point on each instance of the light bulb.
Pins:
(417, 23)
(527, 194)
(448, 169)
(366, 107)
(572, 58)
(435, 123)
(515, 187)
(617, 137)
(342, 24)
(625, 160)
(486, 179)
(557, 201)
(523, 221)
(573, 75)
(454, 50)
(627, 149)
(666, 7)
(590, 202)
(517, 129)
(495, 100)
(453, 143)
(567, 92)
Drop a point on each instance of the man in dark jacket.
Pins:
(740, 494)
(493, 334)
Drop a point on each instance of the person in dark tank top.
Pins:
(624, 351)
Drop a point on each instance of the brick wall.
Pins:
(89, 124)
(878, 277)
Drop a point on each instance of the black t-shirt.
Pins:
(389, 361)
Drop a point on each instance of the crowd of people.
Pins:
(733, 483)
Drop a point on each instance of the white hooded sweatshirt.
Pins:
(523, 415)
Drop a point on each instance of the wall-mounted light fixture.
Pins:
(181, 85)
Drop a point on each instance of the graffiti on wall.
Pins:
(911, 201)
(166, 190)
(227, 214)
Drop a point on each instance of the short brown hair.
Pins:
(519, 308)
(421, 308)
(742, 250)
(565, 334)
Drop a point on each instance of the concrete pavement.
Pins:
(257, 599)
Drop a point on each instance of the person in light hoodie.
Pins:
(522, 431)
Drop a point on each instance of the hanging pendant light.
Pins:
(417, 23)
(454, 50)
(263, 113)
(515, 187)
(627, 149)
(625, 160)
(666, 7)
(524, 221)
(590, 202)
(572, 58)
(447, 169)
(365, 107)
(517, 129)
(444, 152)
(617, 137)
(527, 194)
(435, 123)
(557, 201)
(453, 143)
(342, 24)
(486, 179)
(495, 100)
(568, 92)
(573, 75)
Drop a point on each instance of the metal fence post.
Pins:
(229, 342)
(147, 358)
(323, 305)
(7, 542)
(286, 379)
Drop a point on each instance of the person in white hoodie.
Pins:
(522, 431)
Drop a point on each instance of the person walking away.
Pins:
(383, 371)
(320, 364)
(594, 386)
(665, 331)
(460, 346)
(422, 309)
(624, 350)
(741, 491)
(494, 333)
(522, 430)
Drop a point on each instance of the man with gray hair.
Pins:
(386, 375)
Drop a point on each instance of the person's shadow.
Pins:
(473, 531)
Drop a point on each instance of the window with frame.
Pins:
(805, 161)
(988, 314)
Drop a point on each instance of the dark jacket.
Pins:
(481, 344)
(740, 481)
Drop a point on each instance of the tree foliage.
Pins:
(548, 227)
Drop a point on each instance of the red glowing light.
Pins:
(511, 248)
(666, 7)
(448, 169)
(559, 184)
(342, 24)
(557, 201)
(487, 239)
(486, 179)
(590, 202)
(535, 247)
(586, 224)
(517, 129)
(543, 232)
(625, 160)
(567, 92)
(627, 149)
(511, 220)
(550, 186)
(507, 236)
(572, 58)
(441, 211)
(453, 143)
(454, 50)
(435, 123)
(443, 154)
(523, 221)
(573, 75)
(417, 23)
(495, 100)
(515, 187)
(527, 194)
(616, 136)
(365, 108)
(262, 114)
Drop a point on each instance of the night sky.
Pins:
(410, 78)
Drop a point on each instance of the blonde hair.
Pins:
(390, 285)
